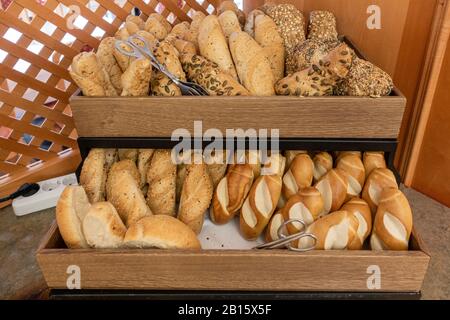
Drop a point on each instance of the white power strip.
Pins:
(46, 197)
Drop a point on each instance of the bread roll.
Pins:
(122, 34)
(267, 36)
(352, 164)
(106, 58)
(275, 165)
(231, 192)
(360, 209)
(252, 64)
(273, 227)
(72, 207)
(128, 165)
(229, 23)
(305, 206)
(111, 157)
(378, 180)
(123, 60)
(333, 187)
(393, 222)
(88, 73)
(180, 29)
(93, 175)
(136, 21)
(290, 156)
(126, 196)
(336, 231)
(136, 79)
(192, 34)
(184, 47)
(250, 22)
(310, 82)
(163, 21)
(323, 162)
(213, 45)
(143, 162)
(161, 178)
(259, 206)
(162, 232)
(217, 166)
(155, 27)
(230, 5)
(373, 160)
(299, 175)
(341, 154)
(130, 154)
(322, 26)
(209, 76)
(103, 227)
(195, 196)
(251, 157)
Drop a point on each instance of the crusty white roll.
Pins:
(273, 227)
(373, 160)
(164, 232)
(340, 154)
(93, 175)
(196, 196)
(352, 164)
(72, 207)
(335, 231)
(323, 162)
(360, 209)
(275, 165)
(306, 205)
(333, 187)
(290, 156)
(259, 206)
(299, 175)
(393, 222)
(378, 180)
(231, 192)
(103, 227)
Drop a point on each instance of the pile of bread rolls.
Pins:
(141, 198)
(267, 52)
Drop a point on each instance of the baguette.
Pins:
(136, 79)
(393, 222)
(195, 197)
(93, 175)
(231, 192)
(273, 227)
(373, 160)
(333, 187)
(378, 180)
(162, 232)
(106, 58)
(352, 164)
(259, 206)
(72, 207)
(161, 178)
(323, 162)
(361, 210)
(103, 227)
(229, 23)
(252, 64)
(298, 176)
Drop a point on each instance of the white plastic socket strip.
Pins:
(46, 197)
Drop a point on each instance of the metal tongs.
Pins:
(140, 49)
(285, 241)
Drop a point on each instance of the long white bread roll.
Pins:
(126, 196)
(126, 164)
(305, 206)
(251, 157)
(290, 156)
(164, 232)
(155, 27)
(196, 196)
(353, 165)
(260, 205)
(323, 162)
(360, 209)
(231, 192)
(213, 45)
(333, 187)
(266, 34)
(192, 34)
(217, 166)
(135, 79)
(378, 180)
(275, 165)
(250, 22)
(130, 154)
(106, 58)
(373, 160)
(273, 227)
(71, 209)
(393, 222)
(161, 178)
(336, 231)
(103, 227)
(230, 5)
(252, 65)
(299, 175)
(229, 23)
(143, 162)
(111, 157)
(93, 175)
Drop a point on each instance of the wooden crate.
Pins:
(250, 270)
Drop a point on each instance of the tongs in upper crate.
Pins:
(140, 49)
(286, 241)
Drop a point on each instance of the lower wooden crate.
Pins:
(250, 270)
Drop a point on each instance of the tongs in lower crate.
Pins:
(285, 241)
(139, 48)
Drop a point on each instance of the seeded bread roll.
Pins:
(136, 79)
(143, 162)
(192, 34)
(333, 187)
(123, 60)
(163, 21)
(322, 26)
(252, 64)
(72, 207)
(229, 23)
(130, 154)
(137, 22)
(111, 157)
(89, 74)
(161, 178)
(323, 162)
(365, 79)
(106, 58)
(181, 29)
(209, 76)
(93, 175)
(267, 36)
(155, 27)
(122, 34)
(126, 164)
(250, 23)
(372, 161)
(360, 209)
(352, 164)
(213, 45)
(299, 175)
(378, 180)
(230, 5)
